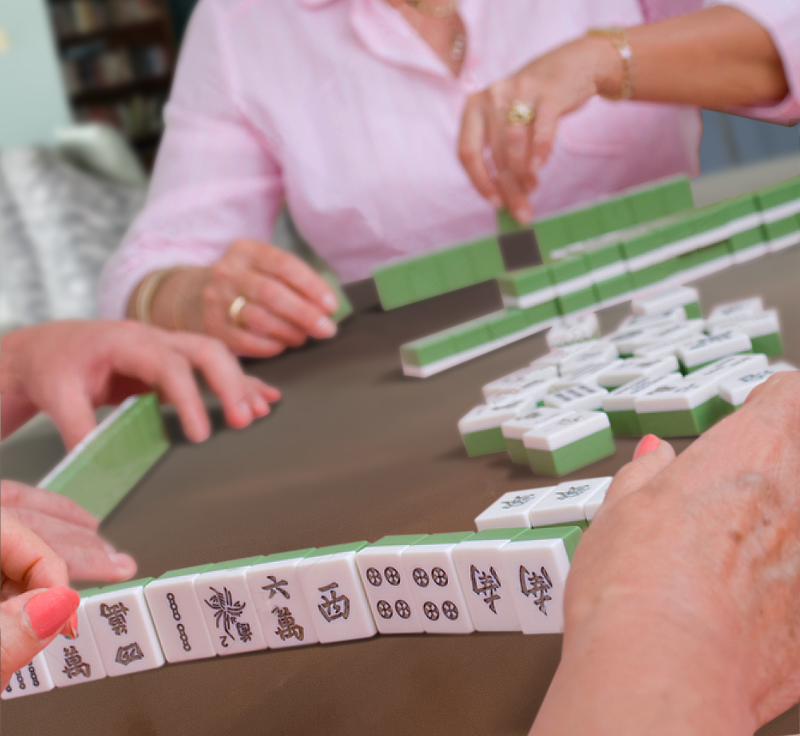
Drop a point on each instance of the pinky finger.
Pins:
(471, 146)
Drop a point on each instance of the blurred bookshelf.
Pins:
(117, 59)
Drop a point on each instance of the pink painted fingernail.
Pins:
(648, 443)
(48, 612)
(125, 564)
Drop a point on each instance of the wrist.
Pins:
(612, 63)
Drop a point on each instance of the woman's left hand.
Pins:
(552, 86)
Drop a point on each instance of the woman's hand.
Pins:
(682, 609)
(552, 85)
(36, 604)
(69, 530)
(287, 301)
(69, 368)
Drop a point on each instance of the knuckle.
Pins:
(220, 271)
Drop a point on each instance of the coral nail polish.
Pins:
(49, 611)
(648, 443)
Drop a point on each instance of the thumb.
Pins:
(29, 622)
(652, 455)
(72, 412)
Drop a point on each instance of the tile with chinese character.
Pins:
(566, 503)
(435, 587)
(228, 608)
(31, 679)
(178, 617)
(335, 595)
(123, 630)
(285, 616)
(73, 661)
(484, 582)
(511, 509)
(387, 586)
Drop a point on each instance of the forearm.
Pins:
(15, 407)
(716, 58)
(627, 671)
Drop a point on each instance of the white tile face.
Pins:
(485, 585)
(123, 631)
(228, 611)
(283, 613)
(730, 367)
(31, 679)
(573, 329)
(513, 429)
(755, 325)
(624, 397)
(681, 396)
(492, 416)
(739, 309)
(335, 596)
(597, 352)
(595, 500)
(73, 661)
(557, 354)
(566, 503)
(665, 300)
(736, 390)
(586, 374)
(632, 339)
(632, 369)
(649, 321)
(521, 380)
(389, 590)
(511, 509)
(537, 571)
(436, 590)
(179, 619)
(563, 431)
(581, 397)
(712, 347)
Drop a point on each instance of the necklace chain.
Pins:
(434, 9)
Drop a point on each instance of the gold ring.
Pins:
(520, 113)
(235, 310)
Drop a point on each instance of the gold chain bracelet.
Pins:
(619, 39)
(147, 292)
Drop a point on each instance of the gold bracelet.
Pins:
(147, 292)
(619, 39)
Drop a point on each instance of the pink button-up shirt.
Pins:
(340, 109)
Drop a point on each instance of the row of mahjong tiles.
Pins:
(497, 579)
(560, 413)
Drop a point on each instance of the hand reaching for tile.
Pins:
(683, 601)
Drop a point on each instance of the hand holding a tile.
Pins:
(69, 530)
(68, 368)
(684, 595)
(36, 604)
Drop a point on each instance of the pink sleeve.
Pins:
(781, 18)
(216, 177)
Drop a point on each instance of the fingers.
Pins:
(20, 496)
(30, 622)
(651, 457)
(473, 141)
(86, 554)
(72, 412)
(548, 113)
(25, 559)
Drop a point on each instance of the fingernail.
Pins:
(329, 302)
(48, 612)
(496, 202)
(125, 564)
(648, 443)
(523, 215)
(259, 406)
(324, 327)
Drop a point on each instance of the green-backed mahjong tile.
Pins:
(294, 554)
(336, 549)
(427, 350)
(567, 269)
(676, 196)
(456, 268)
(550, 235)
(693, 310)
(516, 448)
(624, 423)
(138, 583)
(424, 275)
(614, 287)
(747, 239)
(691, 369)
(486, 258)
(344, 308)
(582, 224)
(641, 244)
(770, 345)
(674, 232)
(653, 274)
(577, 300)
(708, 218)
(569, 534)
(392, 285)
(614, 215)
(711, 253)
(525, 280)
(685, 423)
(234, 564)
(470, 335)
(398, 540)
(742, 206)
(646, 205)
(507, 223)
(778, 194)
(540, 313)
(780, 228)
(605, 255)
(571, 457)
(484, 441)
(507, 323)
(582, 524)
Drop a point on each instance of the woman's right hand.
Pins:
(287, 301)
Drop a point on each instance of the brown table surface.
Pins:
(355, 450)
